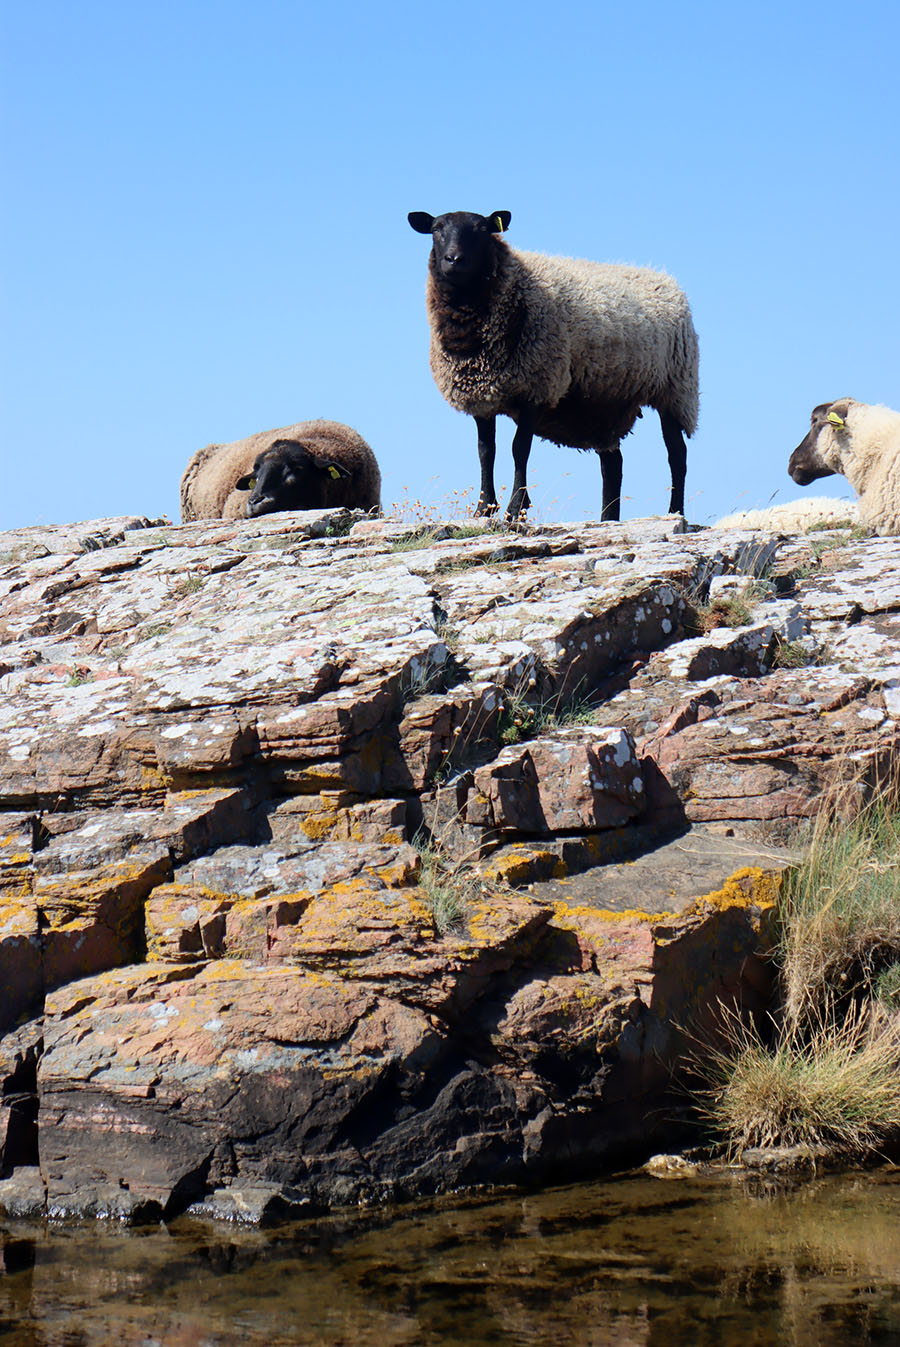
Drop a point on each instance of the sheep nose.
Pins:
(454, 259)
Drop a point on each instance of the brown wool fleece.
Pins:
(588, 343)
(208, 484)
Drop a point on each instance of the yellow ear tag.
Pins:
(251, 483)
(836, 420)
(333, 471)
(499, 224)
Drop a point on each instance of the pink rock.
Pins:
(584, 778)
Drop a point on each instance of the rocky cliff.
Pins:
(230, 980)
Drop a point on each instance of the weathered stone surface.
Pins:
(577, 779)
(226, 977)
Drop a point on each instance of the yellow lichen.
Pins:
(523, 866)
(318, 826)
(751, 886)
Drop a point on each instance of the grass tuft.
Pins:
(840, 913)
(835, 1086)
(826, 1073)
(450, 890)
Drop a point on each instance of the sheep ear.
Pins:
(421, 221)
(836, 420)
(334, 470)
(246, 483)
(499, 221)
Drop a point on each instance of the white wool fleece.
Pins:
(866, 449)
(561, 327)
(793, 516)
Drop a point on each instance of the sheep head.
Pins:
(821, 452)
(463, 253)
(289, 476)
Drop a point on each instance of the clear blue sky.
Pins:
(206, 230)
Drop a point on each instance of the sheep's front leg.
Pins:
(487, 448)
(520, 500)
(611, 470)
(677, 451)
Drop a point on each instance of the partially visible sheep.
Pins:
(570, 350)
(794, 516)
(862, 441)
(313, 465)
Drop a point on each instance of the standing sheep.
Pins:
(570, 350)
(314, 465)
(862, 441)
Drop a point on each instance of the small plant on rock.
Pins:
(727, 610)
(450, 889)
(189, 585)
(526, 718)
(791, 655)
(78, 674)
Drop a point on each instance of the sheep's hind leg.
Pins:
(487, 448)
(611, 470)
(677, 450)
(521, 448)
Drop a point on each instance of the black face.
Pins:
(464, 250)
(806, 464)
(286, 476)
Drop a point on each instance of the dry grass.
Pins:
(835, 1085)
(450, 890)
(841, 910)
(734, 609)
(827, 1072)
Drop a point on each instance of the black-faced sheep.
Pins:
(862, 441)
(570, 350)
(314, 465)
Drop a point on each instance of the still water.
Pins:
(633, 1260)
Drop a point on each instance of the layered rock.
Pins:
(228, 979)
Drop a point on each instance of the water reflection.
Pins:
(635, 1261)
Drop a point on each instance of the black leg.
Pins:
(487, 448)
(520, 500)
(677, 450)
(611, 468)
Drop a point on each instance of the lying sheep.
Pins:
(862, 441)
(794, 516)
(570, 350)
(314, 465)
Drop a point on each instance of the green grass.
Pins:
(524, 718)
(449, 889)
(827, 525)
(426, 535)
(887, 986)
(790, 655)
(840, 910)
(78, 675)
